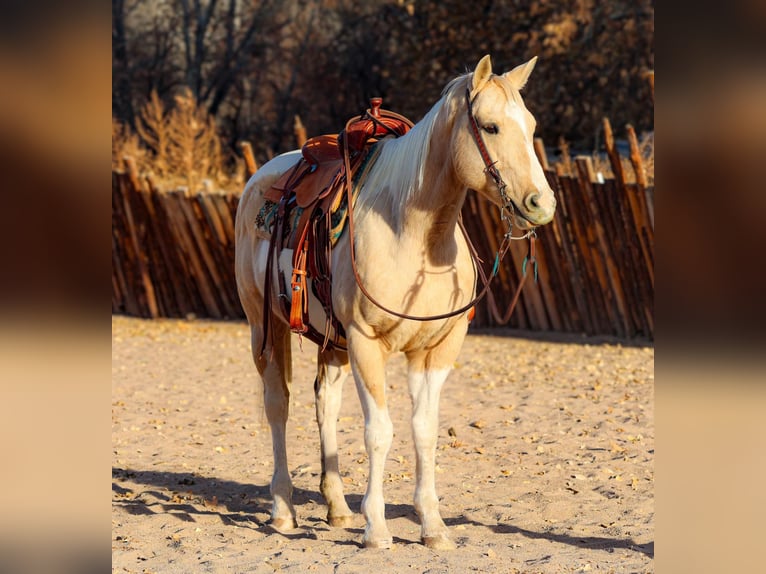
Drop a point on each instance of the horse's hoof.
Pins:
(283, 524)
(379, 543)
(439, 542)
(344, 521)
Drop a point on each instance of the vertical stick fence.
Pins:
(173, 252)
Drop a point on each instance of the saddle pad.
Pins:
(267, 216)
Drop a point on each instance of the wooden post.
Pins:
(650, 77)
(575, 245)
(121, 261)
(174, 202)
(214, 238)
(541, 155)
(566, 161)
(585, 167)
(209, 275)
(611, 151)
(166, 261)
(132, 170)
(614, 294)
(130, 195)
(247, 153)
(300, 131)
(548, 284)
(635, 157)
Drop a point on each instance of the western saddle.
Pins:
(306, 209)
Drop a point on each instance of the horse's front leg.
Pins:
(425, 389)
(332, 370)
(426, 375)
(368, 365)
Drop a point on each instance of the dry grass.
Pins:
(125, 143)
(601, 163)
(646, 145)
(177, 147)
(152, 127)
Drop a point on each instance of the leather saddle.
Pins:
(313, 176)
(310, 197)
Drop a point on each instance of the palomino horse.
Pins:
(410, 256)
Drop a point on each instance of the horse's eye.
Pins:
(491, 128)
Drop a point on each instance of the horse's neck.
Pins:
(431, 211)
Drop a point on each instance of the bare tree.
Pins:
(254, 64)
(122, 103)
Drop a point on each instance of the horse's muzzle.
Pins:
(538, 208)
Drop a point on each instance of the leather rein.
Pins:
(507, 207)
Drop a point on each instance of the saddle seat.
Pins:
(315, 175)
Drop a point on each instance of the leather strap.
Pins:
(491, 303)
(274, 243)
(298, 285)
(490, 167)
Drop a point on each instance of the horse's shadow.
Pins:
(585, 542)
(187, 496)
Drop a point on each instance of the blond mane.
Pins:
(399, 169)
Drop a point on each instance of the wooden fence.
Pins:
(173, 254)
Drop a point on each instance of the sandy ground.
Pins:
(550, 469)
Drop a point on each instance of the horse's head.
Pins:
(493, 143)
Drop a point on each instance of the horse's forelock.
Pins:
(511, 93)
(456, 87)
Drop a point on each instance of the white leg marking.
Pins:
(425, 390)
(329, 387)
(515, 113)
(378, 433)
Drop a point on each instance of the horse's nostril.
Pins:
(534, 201)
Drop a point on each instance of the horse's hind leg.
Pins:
(332, 370)
(274, 366)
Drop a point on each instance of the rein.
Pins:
(508, 206)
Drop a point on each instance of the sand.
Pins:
(545, 458)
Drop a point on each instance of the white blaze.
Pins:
(516, 114)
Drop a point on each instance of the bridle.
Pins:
(489, 166)
(507, 211)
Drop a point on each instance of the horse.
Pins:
(410, 256)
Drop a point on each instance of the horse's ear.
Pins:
(480, 75)
(520, 74)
